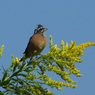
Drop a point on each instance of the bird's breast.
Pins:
(39, 41)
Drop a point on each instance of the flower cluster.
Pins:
(15, 61)
(30, 77)
(67, 56)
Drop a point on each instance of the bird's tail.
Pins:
(20, 60)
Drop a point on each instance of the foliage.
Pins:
(29, 78)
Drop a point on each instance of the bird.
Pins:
(37, 43)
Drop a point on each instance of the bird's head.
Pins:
(40, 30)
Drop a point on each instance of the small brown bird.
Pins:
(36, 43)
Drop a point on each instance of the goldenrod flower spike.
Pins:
(1, 50)
(84, 45)
(51, 42)
(66, 47)
(62, 45)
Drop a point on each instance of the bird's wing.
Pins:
(27, 48)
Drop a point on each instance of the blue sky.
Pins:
(65, 19)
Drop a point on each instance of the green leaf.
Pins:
(22, 75)
(4, 75)
(14, 68)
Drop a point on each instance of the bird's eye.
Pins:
(41, 29)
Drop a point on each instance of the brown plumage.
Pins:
(36, 43)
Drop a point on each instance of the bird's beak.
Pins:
(46, 28)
